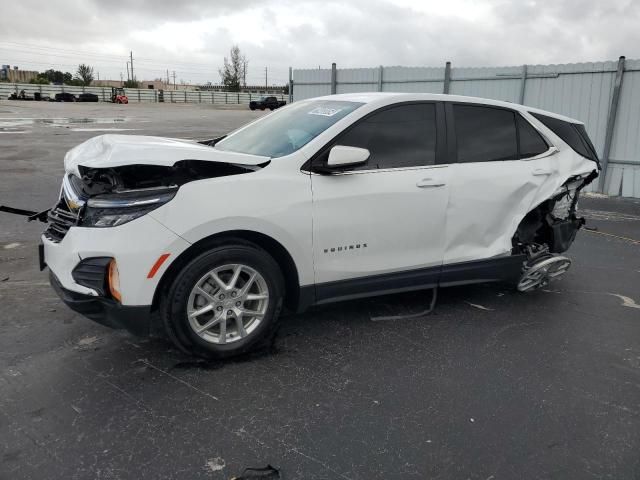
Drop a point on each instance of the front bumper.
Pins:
(105, 311)
(135, 246)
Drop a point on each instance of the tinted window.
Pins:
(287, 129)
(572, 134)
(485, 134)
(531, 142)
(402, 136)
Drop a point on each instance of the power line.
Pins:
(107, 57)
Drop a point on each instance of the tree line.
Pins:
(232, 74)
(83, 77)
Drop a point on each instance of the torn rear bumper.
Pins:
(105, 311)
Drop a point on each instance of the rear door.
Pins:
(499, 162)
(374, 223)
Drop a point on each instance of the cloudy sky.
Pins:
(191, 37)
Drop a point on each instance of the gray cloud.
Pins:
(309, 33)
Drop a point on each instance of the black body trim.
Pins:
(497, 269)
(105, 311)
(377, 285)
(92, 273)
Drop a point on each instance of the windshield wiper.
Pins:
(213, 141)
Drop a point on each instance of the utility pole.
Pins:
(174, 80)
(132, 76)
(244, 73)
(121, 81)
(127, 71)
(167, 77)
(266, 83)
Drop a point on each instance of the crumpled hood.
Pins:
(106, 151)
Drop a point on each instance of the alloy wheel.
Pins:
(227, 303)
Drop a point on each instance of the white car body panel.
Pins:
(135, 246)
(274, 201)
(358, 218)
(469, 213)
(485, 201)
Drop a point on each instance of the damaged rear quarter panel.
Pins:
(487, 201)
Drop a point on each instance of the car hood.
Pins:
(107, 151)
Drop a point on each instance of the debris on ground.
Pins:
(479, 307)
(264, 473)
(432, 306)
(216, 464)
(83, 342)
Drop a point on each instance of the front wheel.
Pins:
(225, 302)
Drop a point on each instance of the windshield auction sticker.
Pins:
(325, 112)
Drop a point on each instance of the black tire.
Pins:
(251, 107)
(173, 305)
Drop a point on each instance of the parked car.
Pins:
(65, 97)
(328, 199)
(88, 97)
(266, 102)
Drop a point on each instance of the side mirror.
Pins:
(342, 156)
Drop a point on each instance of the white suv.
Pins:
(327, 199)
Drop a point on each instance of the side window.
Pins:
(531, 142)
(485, 134)
(573, 134)
(402, 136)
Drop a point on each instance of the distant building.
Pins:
(15, 75)
(150, 84)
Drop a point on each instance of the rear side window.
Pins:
(531, 142)
(572, 134)
(402, 136)
(485, 134)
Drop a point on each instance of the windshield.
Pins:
(289, 129)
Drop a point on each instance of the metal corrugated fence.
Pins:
(137, 95)
(580, 90)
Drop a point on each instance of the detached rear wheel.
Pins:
(225, 302)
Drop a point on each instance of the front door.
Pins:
(380, 226)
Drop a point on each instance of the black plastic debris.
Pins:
(264, 473)
(32, 215)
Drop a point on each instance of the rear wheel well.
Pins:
(272, 247)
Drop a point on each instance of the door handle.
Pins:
(429, 183)
(542, 171)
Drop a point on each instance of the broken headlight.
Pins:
(111, 210)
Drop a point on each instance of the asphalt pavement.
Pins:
(493, 385)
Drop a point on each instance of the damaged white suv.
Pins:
(326, 199)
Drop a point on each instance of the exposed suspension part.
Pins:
(541, 268)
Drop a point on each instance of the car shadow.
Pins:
(453, 303)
